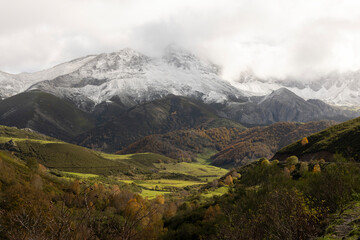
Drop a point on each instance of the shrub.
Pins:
(316, 168)
(287, 172)
(265, 162)
(304, 167)
(275, 162)
(292, 160)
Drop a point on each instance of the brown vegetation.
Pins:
(236, 146)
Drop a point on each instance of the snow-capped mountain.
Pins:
(12, 84)
(334, 88)
(129, 76)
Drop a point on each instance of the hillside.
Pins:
(160, 116)
(27, 133)
(229, 146)
(110, 126)
(185, 145)
(260, 142)
(265, 198)
(40, 204)
(277, 200)
(342, 138)
(45, 113)
(54, 154)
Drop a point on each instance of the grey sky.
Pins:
(273, 37)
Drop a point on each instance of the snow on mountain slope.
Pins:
(12, 84)
(341, 89)
(135, 78)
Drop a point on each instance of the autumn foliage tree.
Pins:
(228, 180)
(317, 168)
(304, 141)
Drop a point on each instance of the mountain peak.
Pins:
(179, 57)
(282, 91)
(136, 78)
(282, 94)
(247, 76)
(336, 88)
(176, 49)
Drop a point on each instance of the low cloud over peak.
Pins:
(278, 38)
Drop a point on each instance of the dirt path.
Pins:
(347, 225)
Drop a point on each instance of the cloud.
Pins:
(277, 38)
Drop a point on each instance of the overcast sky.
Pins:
(273, 37)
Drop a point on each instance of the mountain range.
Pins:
(335, 88)
(110, 100)
(173, 123)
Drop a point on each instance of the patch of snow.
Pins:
(12, 84)
(136, 78)
(342, 89)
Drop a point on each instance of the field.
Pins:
(203, 172)
(81, 175)
(163, 184)
(6, 139)
(217, 192)
(204, 158)
(150, 194)
(149, 173)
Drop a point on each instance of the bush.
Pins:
(275, 162)
(292, 160)
(316, 168)
(304, 167)
(265, 162)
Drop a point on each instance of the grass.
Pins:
(81, 175)
(341, 138)
(114, 156)
(162, 184)
(345, 226)
(152, 173)
(204, 172)
(72, 158)
(204, 158)
(217, 192)
(150, 194)
(6, 139)
(144, 159)
(13, 132)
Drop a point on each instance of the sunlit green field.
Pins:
(81, 175)
(162, 183)
(204, 158)
(152, 193)
(204, 172)
(217, 192)
(6, 139)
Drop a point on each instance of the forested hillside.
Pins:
(229, 146)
